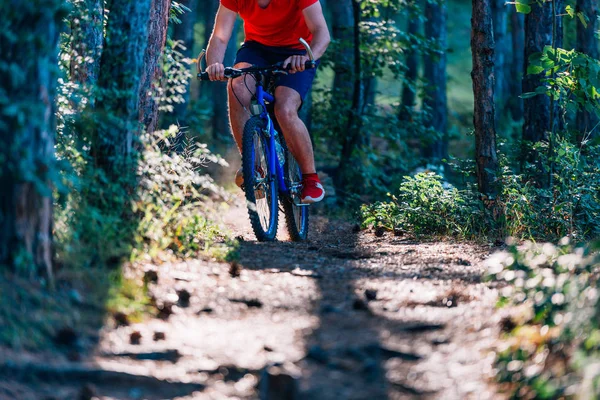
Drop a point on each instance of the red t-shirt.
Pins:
(281, 24)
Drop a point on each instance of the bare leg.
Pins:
(237, 115)
(287, 104)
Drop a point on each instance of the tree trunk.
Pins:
(409, 90)
(517, 21)
(121, 68)
(351, 139)
(538, 33)
(86, 41)
(559, 112)
(152, 71)
(27, 165)
(435, 76)
(482, 44)
(342, 25)
(500, 20)
(369, 84)
(588, 43)
(184, 33)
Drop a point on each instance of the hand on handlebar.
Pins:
(296, 63)
(216, 72)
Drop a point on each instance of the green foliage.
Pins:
(523, 210)
(552, 333)
(571, 12)
(28, 69)
(174, 199)
(571, 77)
(382, 53)
(424, 206)
(523, 7)
(168, 211)
(177, 9)
(161, 205)
(570, 208)
(176, 75)
(128, 296)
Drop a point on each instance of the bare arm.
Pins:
(315, 20)
(215, 53)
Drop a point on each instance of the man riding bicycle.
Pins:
(272, 29)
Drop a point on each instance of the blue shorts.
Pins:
(262, 56)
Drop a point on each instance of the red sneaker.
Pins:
(312, 190)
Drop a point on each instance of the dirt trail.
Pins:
(345, 316)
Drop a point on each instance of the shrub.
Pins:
(570, 207)
(552, 337)
(425, 207)
(174, 199)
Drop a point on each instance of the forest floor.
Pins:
(345, 315)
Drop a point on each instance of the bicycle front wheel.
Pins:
(260, 186)
(296, 215)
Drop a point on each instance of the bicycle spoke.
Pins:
(295, 212)
(261, 187)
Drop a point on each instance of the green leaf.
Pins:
(569, 10)
(535, 69)
(523, 8)
(583, 19)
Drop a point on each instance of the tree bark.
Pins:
(500, 20)
(28, 78)
(152, 72)
(121, 68)
(517, 21)
(588, 43)
(538, 33)
(342, 25)
(351, 140)
(409, 92)
(87, 34)
(436, 101)
(482, 44)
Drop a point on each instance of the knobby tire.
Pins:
(253, 130)
(297, 226)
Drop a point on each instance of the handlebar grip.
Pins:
(230, 72)
(308, 65)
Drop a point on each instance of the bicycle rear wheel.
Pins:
(296, 216)
(259, 185)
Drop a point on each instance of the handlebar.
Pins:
(276, 69)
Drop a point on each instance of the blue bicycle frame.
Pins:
(274, 166)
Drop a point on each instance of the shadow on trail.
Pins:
(348, 355)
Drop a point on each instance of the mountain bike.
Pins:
(271, 173)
